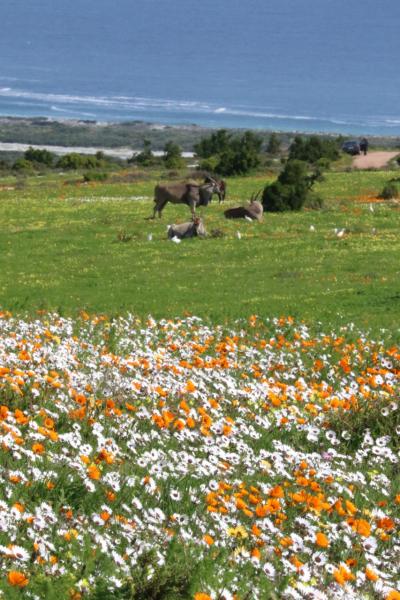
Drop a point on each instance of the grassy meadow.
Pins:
(67, 246)
(212, 420)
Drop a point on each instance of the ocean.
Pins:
(284, 65)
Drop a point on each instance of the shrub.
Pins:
(274, 144)
(215, 144)
(39, 156)
(95, 176)
(173, 156)
(390, 190)
(23, 165)
(145, 158)
(314, 148)
(228, 155)
(292, 188)
(313, 201)
(74, 160)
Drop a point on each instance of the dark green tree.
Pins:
(145, 158)
(226, 154)
(292, 188)
(274, 144)
(313, 149)
(39, 156)
(217, 143)
(173, 156)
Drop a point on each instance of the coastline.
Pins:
(121, 140)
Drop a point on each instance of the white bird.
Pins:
(238, 235)
(150, 237)
(312, 228)
(341, 233)
(176, 240)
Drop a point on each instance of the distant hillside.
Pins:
(46, 131)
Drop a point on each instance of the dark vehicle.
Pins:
(352, 147)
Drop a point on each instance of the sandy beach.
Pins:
(122, 152)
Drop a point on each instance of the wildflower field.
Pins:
(219, 456)
(174, 459)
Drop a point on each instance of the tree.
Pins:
(145, 158)
(39, 156)
(23, 166)
(228, 155)
(313, 149)
(173, 156)
(217, 143)
(274, 144)
(292, 188)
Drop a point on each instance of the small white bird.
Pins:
(340, 233)
(238, 235)
(150, 237)
(312, 228)
(176, 240)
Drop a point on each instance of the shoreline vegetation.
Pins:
(119, 139)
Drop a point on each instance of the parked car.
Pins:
(351, 147)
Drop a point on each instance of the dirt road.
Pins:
(373, 160)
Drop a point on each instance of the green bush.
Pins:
(145, 158)
(39, 156)
(390, 190)
(95, 176)
(215, 144)
(313, 149)
(274, 144)
(228, 155)
(292, 188)
(74, 161)
(173, 156)
(23, 166)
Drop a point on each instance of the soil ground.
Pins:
(373, 160)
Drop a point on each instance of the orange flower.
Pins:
(256, 554)
(361, 526)
(190, 387)
(201, 596)
(385, 523)
(393, 595)
(321, 540)
(371, 575)
(276, 492)
(208, 539)
(342, 575)
(94, 472)
(17, 579)
(38, 448)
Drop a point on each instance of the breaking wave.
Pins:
(205, 113)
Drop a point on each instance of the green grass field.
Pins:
(61, 249)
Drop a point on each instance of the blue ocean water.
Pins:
(306, 65)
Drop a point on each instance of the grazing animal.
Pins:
(252, 211)
(187, 230)
(191, 194)
(222, 188)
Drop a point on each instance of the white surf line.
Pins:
(121, 152)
